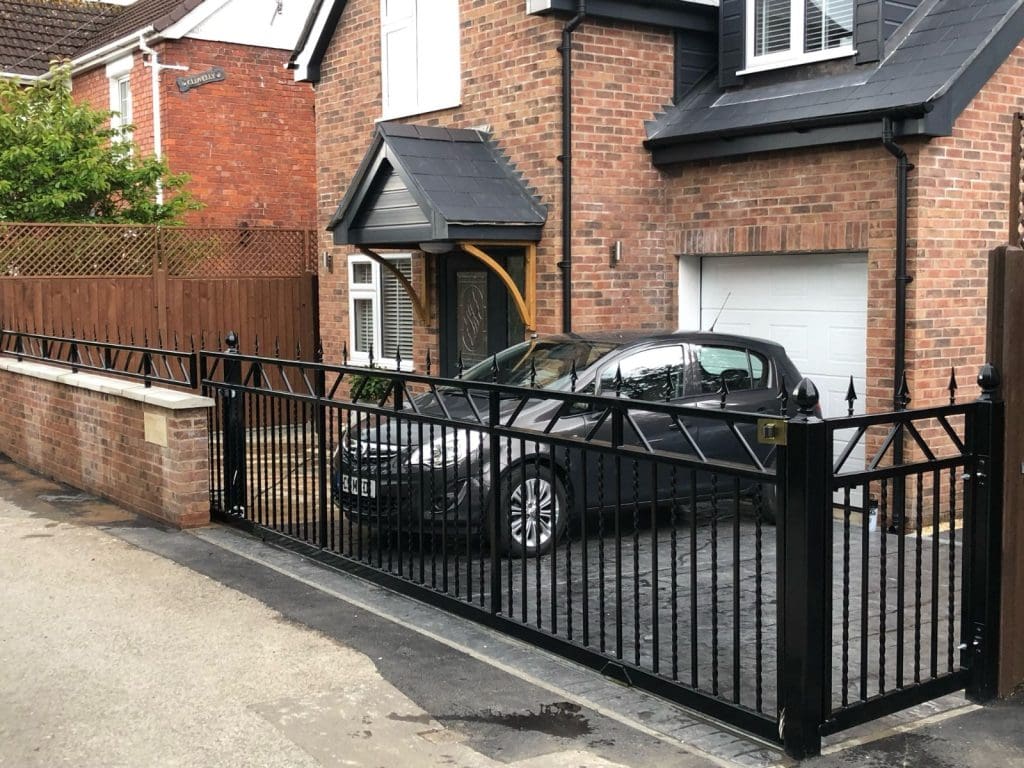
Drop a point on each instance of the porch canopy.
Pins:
(438, 190)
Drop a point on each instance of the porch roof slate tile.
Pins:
(460, 174)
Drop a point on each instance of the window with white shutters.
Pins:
(420, 59)
(380, 312)
(786, 32)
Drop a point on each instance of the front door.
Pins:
(478, 317)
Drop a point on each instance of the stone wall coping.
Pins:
(158, 397)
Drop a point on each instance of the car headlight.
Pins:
(448, 449)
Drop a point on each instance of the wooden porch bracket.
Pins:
(420, 305)
(527, 306)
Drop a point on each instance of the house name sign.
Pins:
(212, 75)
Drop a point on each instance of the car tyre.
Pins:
(769, 501)
(534, 510)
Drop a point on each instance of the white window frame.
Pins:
(118, 73)
(372, 291)
(795, 54)
(437, 79)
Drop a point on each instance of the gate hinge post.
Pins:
(983, 518)
(804, 560)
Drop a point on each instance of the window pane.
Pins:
(362, 273)
(828, 24)
(771, 26)
(124, 99)
(645, 375)
(396, 312)
(362, 319)
(739, 368)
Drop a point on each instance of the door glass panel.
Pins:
(516, 267)
(471, 316)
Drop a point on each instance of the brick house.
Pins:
(218, 105)
(738, 158)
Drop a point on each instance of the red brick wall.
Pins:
(93, 87)
(785, 202)
(963, 185)
(248, 142)
(843, 198)
(96, 441)
(511, 80)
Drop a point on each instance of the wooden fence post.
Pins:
(1005, 328)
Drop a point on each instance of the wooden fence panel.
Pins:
(162, 283)
(270, 308)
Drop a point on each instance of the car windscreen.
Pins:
(552, 361)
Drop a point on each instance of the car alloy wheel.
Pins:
(535, 511)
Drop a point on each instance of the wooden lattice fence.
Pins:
(161, 282)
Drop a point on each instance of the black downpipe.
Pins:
(566, 158)
(903, 167)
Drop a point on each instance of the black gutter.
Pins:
(566, 158)
(899, 396)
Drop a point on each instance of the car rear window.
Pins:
(739, 368)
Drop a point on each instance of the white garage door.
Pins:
(815, 306)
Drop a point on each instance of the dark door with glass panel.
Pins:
(478, 316)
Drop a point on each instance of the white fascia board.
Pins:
(21, 77)
(193, 19)
(110, 51)
(301, 65)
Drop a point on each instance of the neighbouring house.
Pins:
(204, 85)
(827, 173)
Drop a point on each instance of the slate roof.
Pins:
(38, 31)
(159, 14)
(936, 66)
(459, 178)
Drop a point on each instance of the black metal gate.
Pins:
(562, 518)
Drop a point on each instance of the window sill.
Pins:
(415, 111)
(387, 365)
(796, 61)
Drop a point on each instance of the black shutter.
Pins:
(730, 41)
(867, 30)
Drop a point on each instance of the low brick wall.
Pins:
(145, 449)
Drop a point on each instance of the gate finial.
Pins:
(903, 394)
(851, 397)
(989, 381)
(783, 396)
(806, 397)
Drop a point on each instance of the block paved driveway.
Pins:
(695, 601)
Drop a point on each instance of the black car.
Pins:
(432, 469)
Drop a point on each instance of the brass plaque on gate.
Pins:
(771, 431)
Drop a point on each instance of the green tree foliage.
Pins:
(61, 161)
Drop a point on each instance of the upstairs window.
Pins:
(120, 80)
(785, 32)
(420, 61)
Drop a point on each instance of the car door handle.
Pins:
(675, 426)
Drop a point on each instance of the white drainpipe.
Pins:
(156, 68)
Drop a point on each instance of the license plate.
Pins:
(358, 486)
